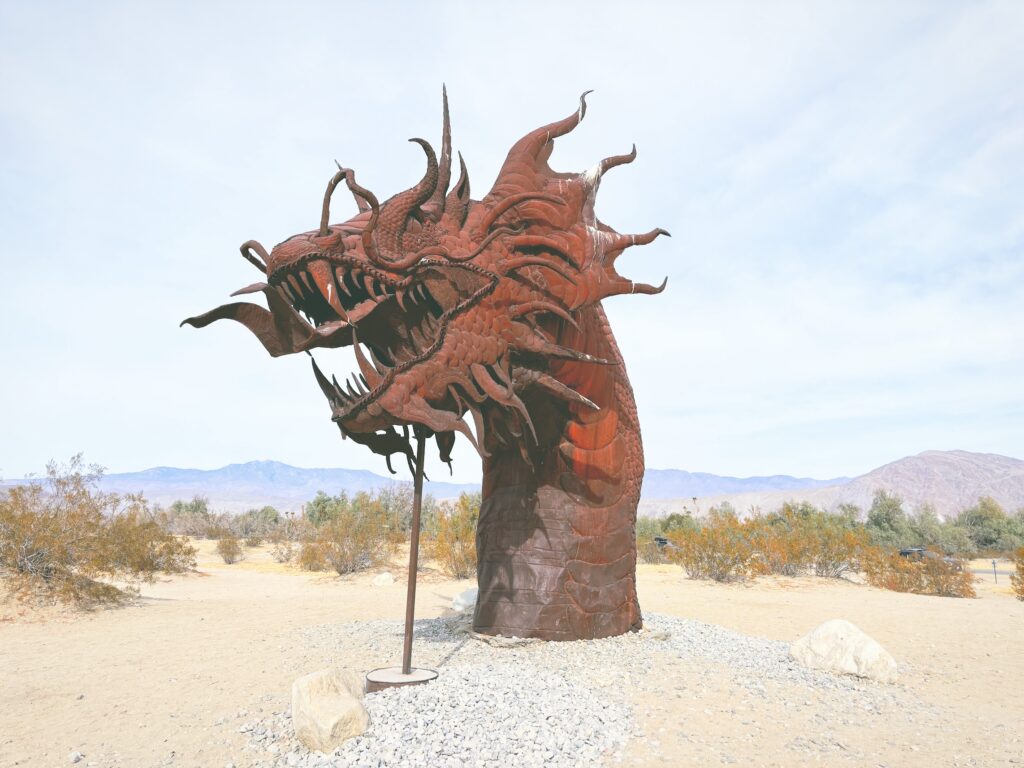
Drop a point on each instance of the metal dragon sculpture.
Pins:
(488, 307)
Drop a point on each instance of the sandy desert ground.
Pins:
(167, 681)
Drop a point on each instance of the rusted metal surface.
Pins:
(489, 308)
(414, 552)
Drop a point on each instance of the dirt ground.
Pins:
(167, 681)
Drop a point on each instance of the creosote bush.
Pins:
(230, 550)
(720, 548)
(932, 575)
(62, 538)
(282, 549)
(453, 540)
(1017, 579)
(253, 540)
(311, 557)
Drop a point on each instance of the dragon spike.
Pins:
(618, 243)
(373, 379)
(554, 386)
(325, 211)
(436, 204)
(330, 392)
(534, 143)
(445, 443)
(540, 345)
(481, 431)
(497, 392)
(622, 286)
(456, 204)
(615, 160)
(529, 307)
(253, 245)
(650, 290)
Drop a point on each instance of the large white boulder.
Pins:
(839, 646)
(327, 708)
(383, 579)
(465, 600)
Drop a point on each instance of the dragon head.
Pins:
(450, 305)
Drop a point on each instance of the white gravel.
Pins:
(565, 704)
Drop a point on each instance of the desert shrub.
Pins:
(253, 540)
(186, 518)
(359, 537)
(61, 536)
(781, 541)
(282, 548)
(1017, 579)
(454, 543)
(647, 549)
(230, 550)
(217, 531)
(255, 523)
(719, 549)
(886, 570)
(799, 538)
(989, 528)
(887, 523)
(836, 549)
(311, 557)
(932, 575)
(678, 521)
(947, 579)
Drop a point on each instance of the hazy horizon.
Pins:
(842, 183)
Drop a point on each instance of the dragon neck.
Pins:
(556, 541)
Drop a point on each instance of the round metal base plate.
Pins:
(390, 677)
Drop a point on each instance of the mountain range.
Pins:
(949, 480)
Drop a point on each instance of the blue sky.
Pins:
(844, 183)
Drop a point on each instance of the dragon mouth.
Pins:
(398, 321)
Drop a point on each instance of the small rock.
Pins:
(383, 579)
(465, 600)
(839, 646)
(327, 708)
(75, 757)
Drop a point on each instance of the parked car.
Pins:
(917, 554)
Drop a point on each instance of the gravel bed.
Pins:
(527, 703)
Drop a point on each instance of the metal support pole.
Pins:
(414, 551)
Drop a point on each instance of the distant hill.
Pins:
(238, 487)
(679, 484)
(949, 480)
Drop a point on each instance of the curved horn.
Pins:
(394, 214)
(361, 193)
(325, 212)
(361, 203)
(456, 204)
(436, 203)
